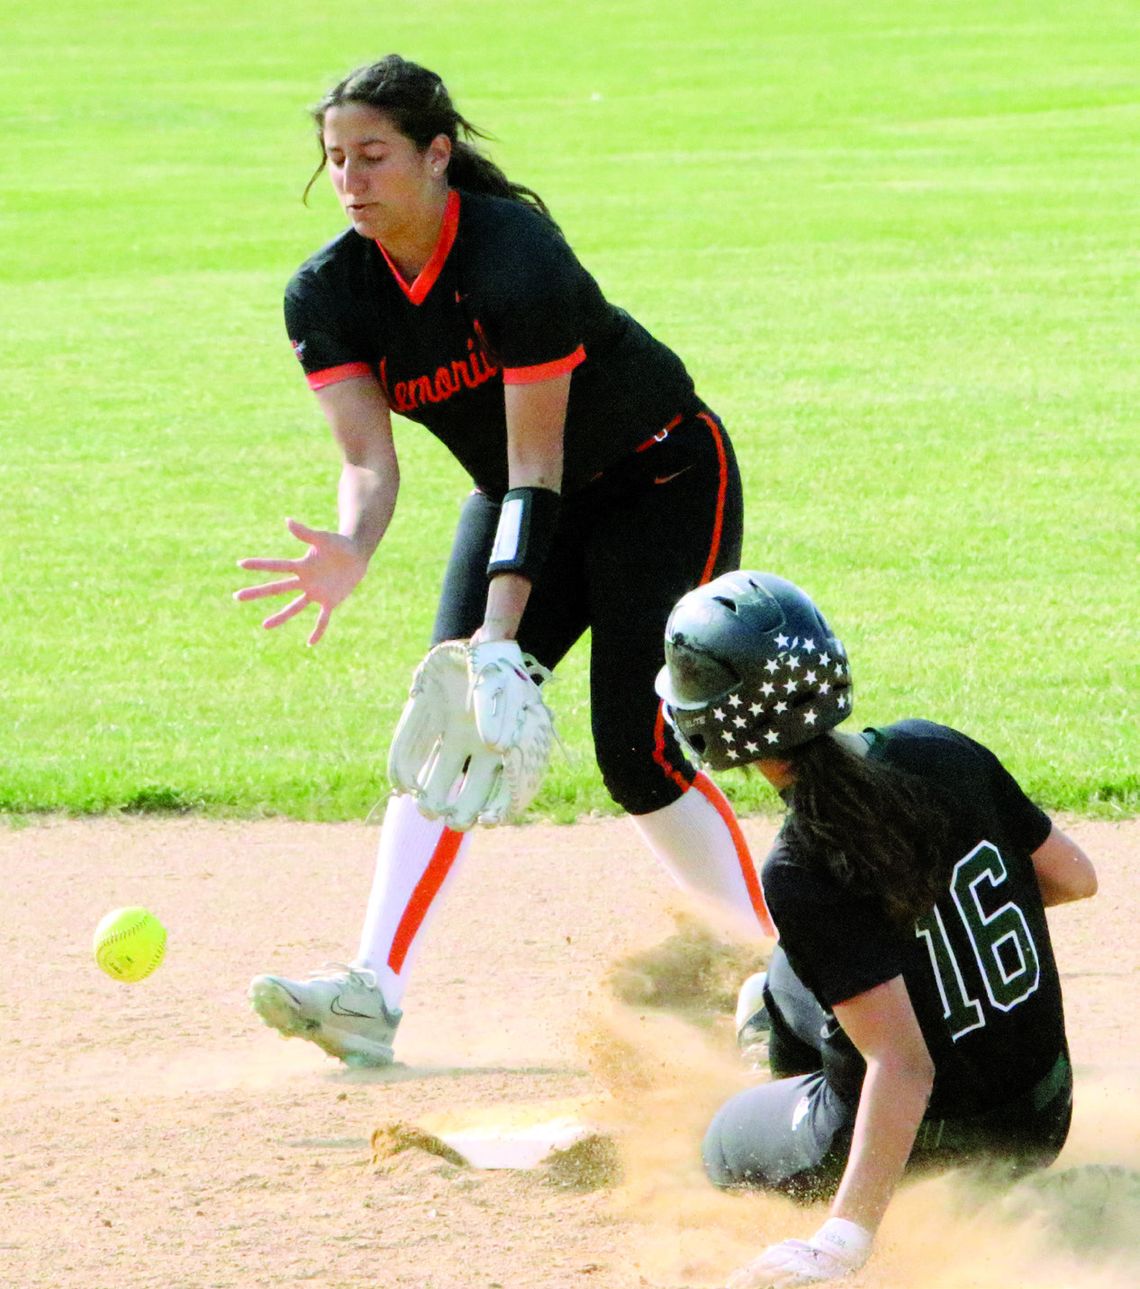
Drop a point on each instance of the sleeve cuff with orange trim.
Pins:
(334, 375)
(544, 371)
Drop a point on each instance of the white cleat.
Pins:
(341, 1009)
(752, 1022)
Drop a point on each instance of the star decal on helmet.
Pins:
(772, 701)
(787, 675)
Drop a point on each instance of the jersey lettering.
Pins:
(406, 395)
(963, 1013)
(1002, 944)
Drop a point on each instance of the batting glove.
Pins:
(837, 1249)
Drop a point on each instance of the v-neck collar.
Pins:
(418, 291)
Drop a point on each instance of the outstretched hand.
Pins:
(325, 575)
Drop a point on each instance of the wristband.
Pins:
(526, 529)
(846, 1241)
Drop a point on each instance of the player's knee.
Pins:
(639, 790)
(732, 1161)
(716, 1164)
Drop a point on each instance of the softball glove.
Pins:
(475, 736)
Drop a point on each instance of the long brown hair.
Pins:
(876, 828)
(418, 104)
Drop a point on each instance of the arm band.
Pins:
(526, 528)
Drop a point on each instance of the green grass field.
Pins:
(895, 243)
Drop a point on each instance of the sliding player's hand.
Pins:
(837, 1249)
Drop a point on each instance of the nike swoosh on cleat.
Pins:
(347, 1011)
(668, 478)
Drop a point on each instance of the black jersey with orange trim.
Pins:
(979, 968)
(502, 300)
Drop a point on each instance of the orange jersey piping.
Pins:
(429, 274)
(334, 375)
(544, 371)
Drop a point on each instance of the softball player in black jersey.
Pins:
(454, 300)
(913, 999)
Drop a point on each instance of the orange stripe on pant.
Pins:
(721, 488)
(714, 550)
(659, 751)
(427, 888)
(712, 794)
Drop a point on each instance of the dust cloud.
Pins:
(660, 1042)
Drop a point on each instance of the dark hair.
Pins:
(418, 104)
(879, 830)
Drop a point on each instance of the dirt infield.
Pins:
(159, 1135)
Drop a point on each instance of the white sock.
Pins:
(699, 841)
(416, 859)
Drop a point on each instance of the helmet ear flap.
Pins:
(693, 743)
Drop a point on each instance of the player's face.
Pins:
(386, 185)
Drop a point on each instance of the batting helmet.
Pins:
(751, 670)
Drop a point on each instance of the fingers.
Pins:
(303, 532)
(322, 624)
(271, 565)
(268, 588)
(289, 585)
(289, 611)
(299, 530)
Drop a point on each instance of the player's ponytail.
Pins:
(879, 830)
(417, 102)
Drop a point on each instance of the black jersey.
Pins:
(503, 299)
(979, 967)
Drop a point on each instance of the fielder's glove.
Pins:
(475, 736)
(837, 1249)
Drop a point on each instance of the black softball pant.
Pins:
(794, 1134)
(632, 542)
